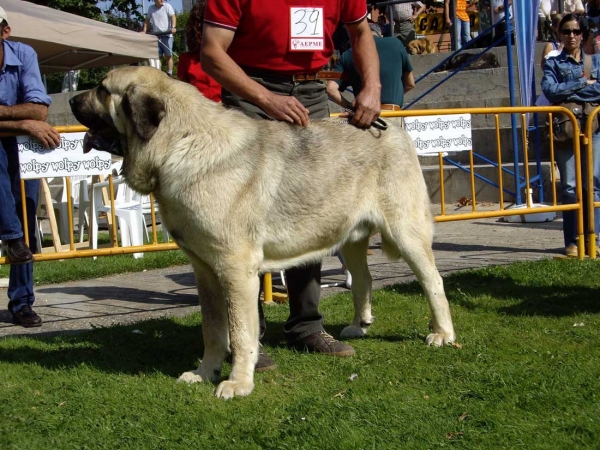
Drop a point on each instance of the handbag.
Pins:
(562, 126)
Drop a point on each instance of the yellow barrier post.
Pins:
(591, 205)
(268, 287)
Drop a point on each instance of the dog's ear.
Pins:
(145, 109)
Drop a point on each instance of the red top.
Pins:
(263, 30)
(190, 71)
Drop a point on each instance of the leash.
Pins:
(378, 123)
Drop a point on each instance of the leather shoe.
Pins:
(263, 364)
(26, 317)
(324, 343)
(17, 251)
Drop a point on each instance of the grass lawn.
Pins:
(526, 374)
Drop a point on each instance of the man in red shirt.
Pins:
(267, 55)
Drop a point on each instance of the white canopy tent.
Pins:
(65, 41)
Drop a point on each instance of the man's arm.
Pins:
(417, 12)
(40, 130)
(366, 60)
(408, 81)
(447, 13)
(146, 24)
(499, 8)
(219, 65)
(24, 111)
(334, 93)
(579, 8)
(173, 23)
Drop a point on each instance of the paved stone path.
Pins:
(129, 298)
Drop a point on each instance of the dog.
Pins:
(422, 46)
(243, 196)
(485, 61)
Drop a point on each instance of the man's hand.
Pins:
(43, 132)
(367, 107)
(288, 109)
(449, 22)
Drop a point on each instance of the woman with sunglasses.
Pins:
(564, 80)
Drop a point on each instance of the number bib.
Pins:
(306, 30)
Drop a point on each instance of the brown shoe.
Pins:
(264, 362)
(369, 251)
(17, 251)
(324, 343)
(571, 251)
(26, 317)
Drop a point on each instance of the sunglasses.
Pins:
(567, 32)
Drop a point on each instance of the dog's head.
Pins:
(127, 105)
(413, 47)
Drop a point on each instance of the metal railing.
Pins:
(444, 216)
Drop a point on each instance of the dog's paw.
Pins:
(199, 376)
(440, 339)
(353, 332)
(229, 389)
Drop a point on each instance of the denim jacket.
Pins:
(564, 80)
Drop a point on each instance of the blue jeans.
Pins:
(565, 160)
(463, 29)
(20, 285)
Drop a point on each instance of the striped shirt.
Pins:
(403, 11)
(461, 10)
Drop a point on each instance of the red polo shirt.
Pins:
(263, 30)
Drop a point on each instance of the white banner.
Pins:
(64, 161)
(434, 134)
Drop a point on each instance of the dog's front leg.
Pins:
(215, 327)
(241, 293)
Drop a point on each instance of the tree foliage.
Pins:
(122, 13)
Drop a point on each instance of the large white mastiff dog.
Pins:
(242, 196)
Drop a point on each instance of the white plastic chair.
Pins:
(128, 211)
(80, 200)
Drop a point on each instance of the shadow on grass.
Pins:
(499, 290)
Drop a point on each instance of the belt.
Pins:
(321, 75)
(390, 107)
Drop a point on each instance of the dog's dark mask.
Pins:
(102, 134)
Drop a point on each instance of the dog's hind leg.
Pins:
(240, 284)
(215, 328)
(355, 258)
(413, 242)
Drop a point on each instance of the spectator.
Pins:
(23, 109)
(384, 23)
(463, 23)
(189, 68)
(573, 7)
(555, 47)
(249, 52)
(544, 30)
(592, 10)
(404, 15)
(395, 73)
(564, 81)
(498, 13)
(164, 23)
